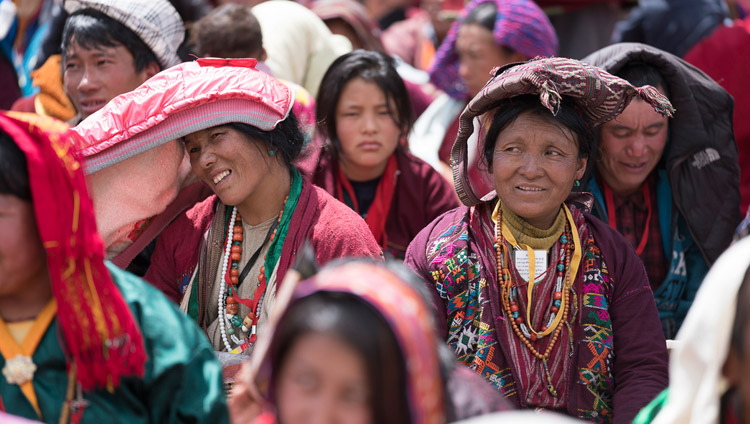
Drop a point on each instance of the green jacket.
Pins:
(182, 381)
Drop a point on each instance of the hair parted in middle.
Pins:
(374, 67)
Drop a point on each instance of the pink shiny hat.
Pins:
(179, 101)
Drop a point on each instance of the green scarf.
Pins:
(272, 256)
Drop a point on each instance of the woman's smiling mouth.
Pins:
(217, 179)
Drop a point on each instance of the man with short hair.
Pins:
(669, 186)
(111, 47)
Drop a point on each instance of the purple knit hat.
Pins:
(520, 25)
(598, 94)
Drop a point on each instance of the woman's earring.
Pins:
(577, 183)
(271, 152)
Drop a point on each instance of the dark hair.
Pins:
(371, 66)
(741, 316)
(286, 138)
(569, 116)
(91, 29)
(345, 316)
(640, 74)
(230, 30)
(14, 174)
(484, 15)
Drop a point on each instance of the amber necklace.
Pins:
(570, 252)
(229, 321)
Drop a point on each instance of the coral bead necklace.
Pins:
(229, 321)
(569, 250)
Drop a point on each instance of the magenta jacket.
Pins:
(333, 230)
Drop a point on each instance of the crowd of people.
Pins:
(364, 211)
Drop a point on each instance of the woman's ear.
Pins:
(581, 167)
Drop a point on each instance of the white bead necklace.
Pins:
(222, 284)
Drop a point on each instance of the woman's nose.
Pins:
(530, 166)
(206, 158)
(369, 125)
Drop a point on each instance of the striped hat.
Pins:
(156, 22)
(598, 94)
(401, 306)
(179, 101)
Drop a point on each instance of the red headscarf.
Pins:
(100, 334)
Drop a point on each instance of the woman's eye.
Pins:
(305, 381)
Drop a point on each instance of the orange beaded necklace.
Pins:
(569, 250)
(233, 278)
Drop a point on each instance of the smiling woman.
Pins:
(222, 258)
(533, 289)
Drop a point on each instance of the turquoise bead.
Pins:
(560, 267)
(563, 239)
(230, 331)
(557, 303)
(515, 314)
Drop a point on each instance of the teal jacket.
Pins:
(687, 267)
(698, 176)
(182, 382)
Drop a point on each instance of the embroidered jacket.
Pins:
(618, 353)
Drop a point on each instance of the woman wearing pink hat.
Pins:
(222, 258)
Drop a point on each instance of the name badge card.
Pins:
(522, 264)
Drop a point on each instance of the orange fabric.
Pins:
(52, 100)
(10, 348)
(20, 329)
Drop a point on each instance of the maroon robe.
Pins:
(333, 230)
(421, 195)
(619, 357)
